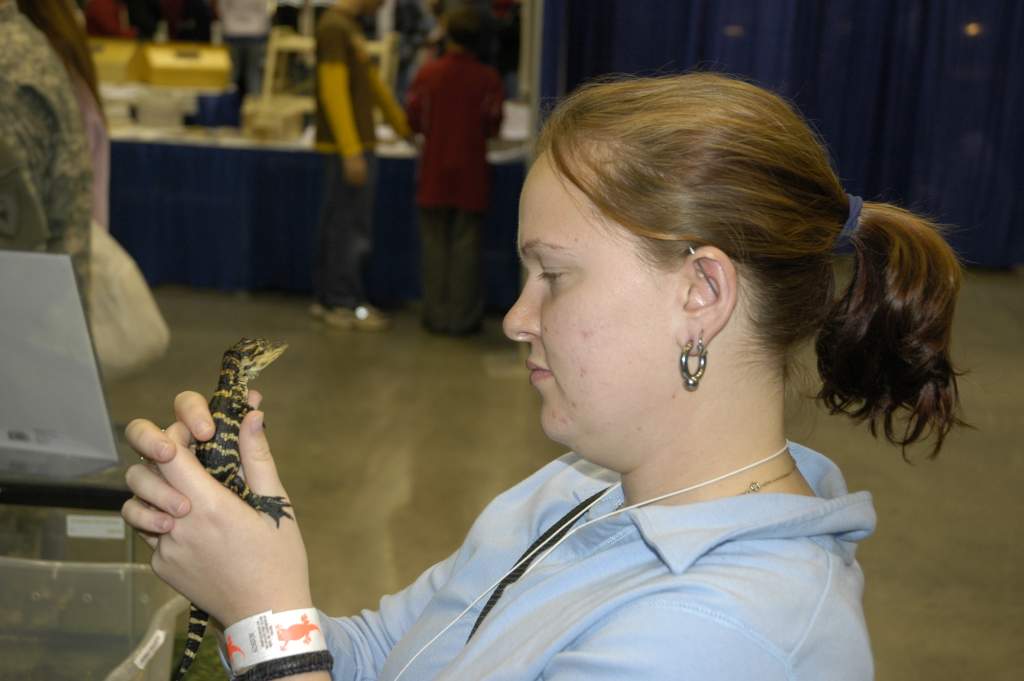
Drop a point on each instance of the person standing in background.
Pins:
(456, 102)
(44, 161)
(128, 331)
(348, 87)
(413, 25)
(145, 16)
(507, 15)
(486, 46)
(245, 24)
(188, 20)
(59, 22)
(108, 18)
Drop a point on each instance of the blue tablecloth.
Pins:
(245, 219)
(212, 111)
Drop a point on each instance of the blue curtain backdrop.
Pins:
(919, 101)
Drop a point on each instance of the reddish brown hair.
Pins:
(704, 158)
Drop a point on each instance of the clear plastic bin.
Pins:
(64, 621)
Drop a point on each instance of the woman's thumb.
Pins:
(257, 461)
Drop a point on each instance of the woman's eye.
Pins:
(550, 276)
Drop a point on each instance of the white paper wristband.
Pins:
(271, 635)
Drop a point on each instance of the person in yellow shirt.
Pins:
(348, 89)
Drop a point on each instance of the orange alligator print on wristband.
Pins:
(234, 649)
(296, 632)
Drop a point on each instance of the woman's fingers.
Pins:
(191, 409)
(150, 487)
(155, 444)
(179, 434)
(149, 441)
(257, 461)
(151, 539)
(148, 521)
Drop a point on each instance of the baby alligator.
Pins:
(219, 455)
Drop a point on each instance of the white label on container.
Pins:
(150, 648)
(95, 527)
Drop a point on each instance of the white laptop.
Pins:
(54, 421)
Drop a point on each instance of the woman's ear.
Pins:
(708, 293)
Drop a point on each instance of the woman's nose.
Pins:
(520, 323)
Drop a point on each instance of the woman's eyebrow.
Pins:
(533, 245)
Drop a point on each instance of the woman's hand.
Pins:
(355, 170)
(208, 544)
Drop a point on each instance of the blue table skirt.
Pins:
(213, 111)
(245, 219)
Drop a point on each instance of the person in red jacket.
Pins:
(108, 18)
(456, 103)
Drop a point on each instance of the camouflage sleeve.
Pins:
(50, 147)
(69, 204)
(22, 222)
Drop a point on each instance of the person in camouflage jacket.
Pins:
(45, 176)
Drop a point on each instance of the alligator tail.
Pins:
(197, 622)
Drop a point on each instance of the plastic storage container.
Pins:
(63, 621)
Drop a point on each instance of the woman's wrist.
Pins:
(268, 640)
(275, 603)
(268, 606)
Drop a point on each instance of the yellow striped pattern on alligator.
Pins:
(219, 455)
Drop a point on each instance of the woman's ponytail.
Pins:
(884, 345)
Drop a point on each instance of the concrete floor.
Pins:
(391, 444)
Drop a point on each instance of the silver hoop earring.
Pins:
(692, 381)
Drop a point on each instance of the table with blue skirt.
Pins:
(245, 218)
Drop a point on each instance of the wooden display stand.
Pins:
(283, 41)
(274, 115)
(282, 117)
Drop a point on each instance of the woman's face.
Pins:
(600, 325)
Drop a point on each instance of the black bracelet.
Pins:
(320, 661)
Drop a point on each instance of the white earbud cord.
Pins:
(571, 532)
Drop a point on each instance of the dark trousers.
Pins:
(247, 57)
(453, 296)
(344, 237)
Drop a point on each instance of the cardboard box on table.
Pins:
(116, 60)
(191, 65)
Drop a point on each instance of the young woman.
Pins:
(679, 236)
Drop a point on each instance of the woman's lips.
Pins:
(537, 372)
